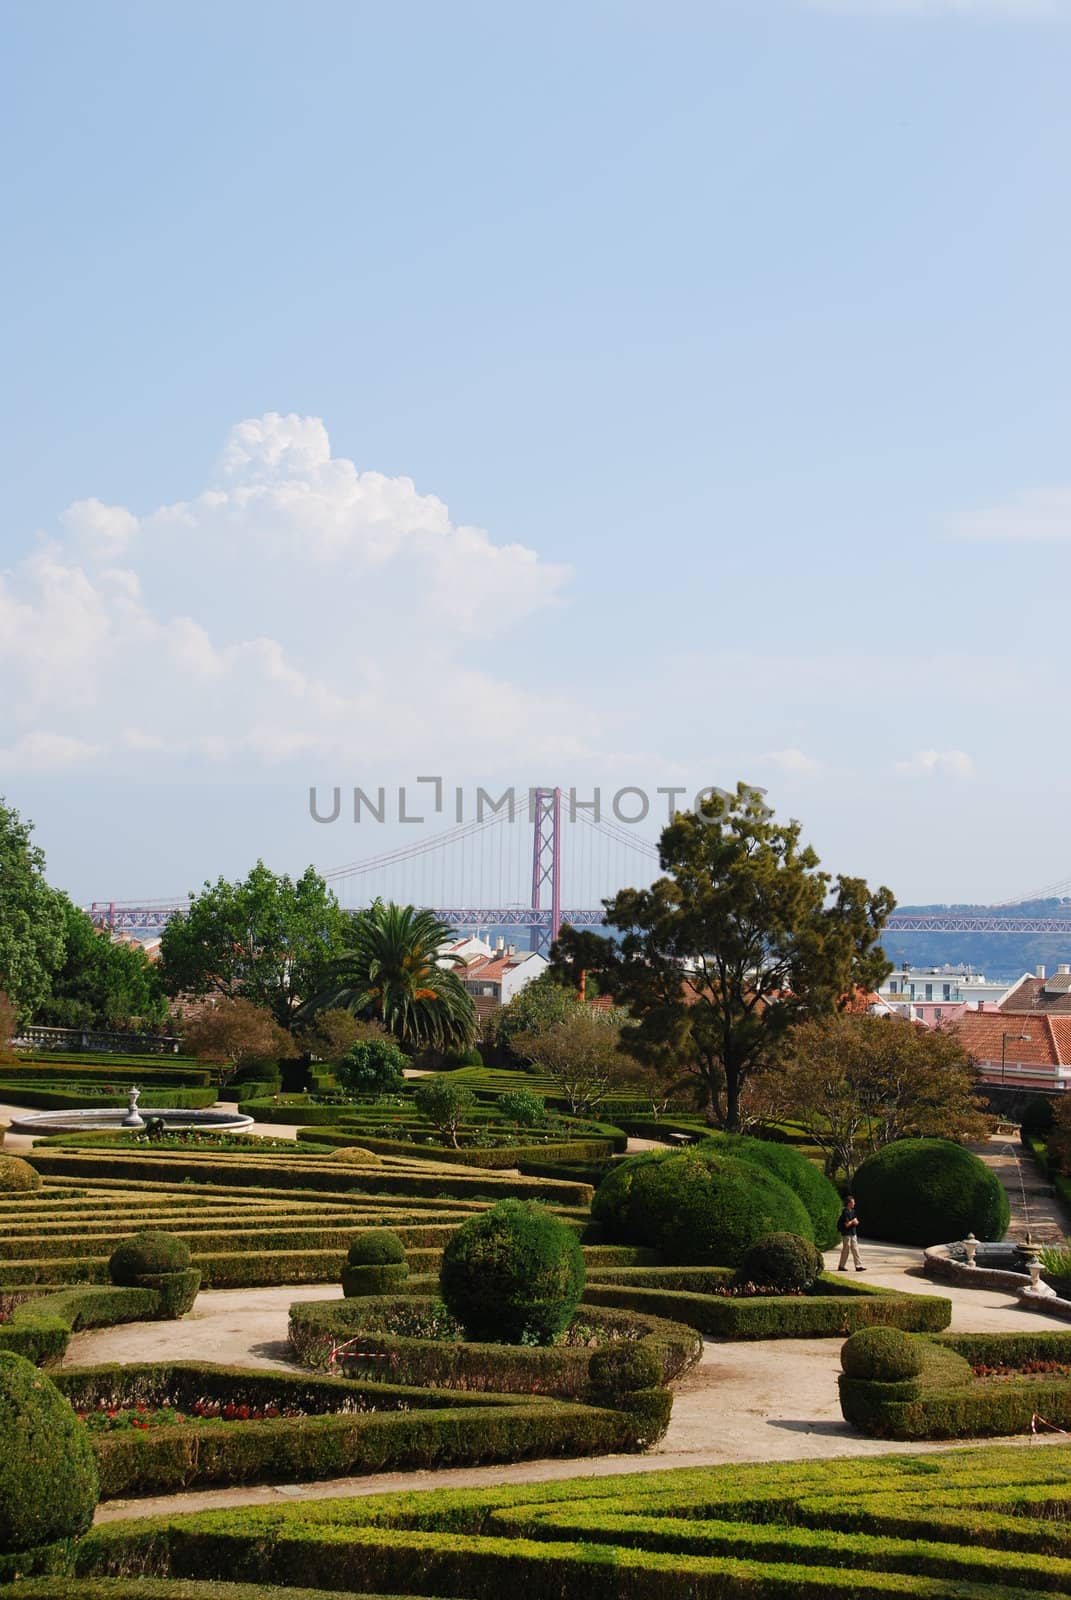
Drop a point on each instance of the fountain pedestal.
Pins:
(133, 1118)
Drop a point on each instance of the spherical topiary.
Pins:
(377, 1247)
(147, 1255)
(355, 1156)
(17, 1176)
(513, 1274)
(929, 1191)
(699, 1207)
(624, 1368)
(780, 1261)
(820, 1199)
(375, 1264)
(885, 1355)
(48, 1471)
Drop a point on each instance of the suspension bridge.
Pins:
(512, 871)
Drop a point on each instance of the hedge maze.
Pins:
(971, 1525)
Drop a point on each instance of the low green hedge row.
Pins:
(561, 1370)
(83, 1069)
(502, 1157)
(349, 1427)
(39, 1097)
(941, 1527)
(40, 1328)
(835, 1312)
(60, 1588)
(315, 1174)
(946, 1401)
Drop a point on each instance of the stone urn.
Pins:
(133, 1118)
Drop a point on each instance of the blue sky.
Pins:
(598, 393)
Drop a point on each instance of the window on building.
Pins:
(929, 991)
(937, 1013)
(947, 991)
(892, 985)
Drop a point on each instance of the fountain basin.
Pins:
(89, 1120)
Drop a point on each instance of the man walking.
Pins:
(848, 1228)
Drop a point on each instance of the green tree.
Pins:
(391, 975)
(32, 919)
(101, 984)
(582, 1054)
(741, 940)
(372, 1066)
(234, 1033)
(534, 1009)
(444, 1102)
(268, 939)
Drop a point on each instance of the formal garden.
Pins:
(554, 1252)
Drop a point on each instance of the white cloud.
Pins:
(295, 607)
(937, 763)
(46, 752)
(792, 761)
(1035, 516)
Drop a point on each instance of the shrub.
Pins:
(514, 1274)
(781, 1261)
(453, 1059)
(147, 1254)
(444, 1104)
(521, 1106)
(377, 1247)
(17, 1176)
(806, 1180)
(1037, 1116)
(372, 1066)
(375, 1264)
(929, 1191)
(48, 1473)
(357, 1156)
(697, 1206)
(624, 1368)
(884, 1355)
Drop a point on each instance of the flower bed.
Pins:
(325, 1427)
(325, 1332)
(971, 1386)
(697, 1296)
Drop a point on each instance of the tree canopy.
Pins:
(741, 940)
(32, 918)
(856, 1083)
(390, 974)
(235, 1033)
(268, 939)
(101, 984)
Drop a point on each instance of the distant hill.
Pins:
(996, 954)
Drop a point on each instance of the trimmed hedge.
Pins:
(939, 1527)
(514, 1274)
(806, 1180)
(560, 1370)
(48, 1477)
(500, 1158)
(17, 1176)
(37, 1096)
(929, 1191)
(314, 1173)
(698, 1206)
(60, 1588)
(349, 1427)
(41, 1327)
(945, 1401)
(833, 1312)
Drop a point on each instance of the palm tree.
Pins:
(391, 974)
